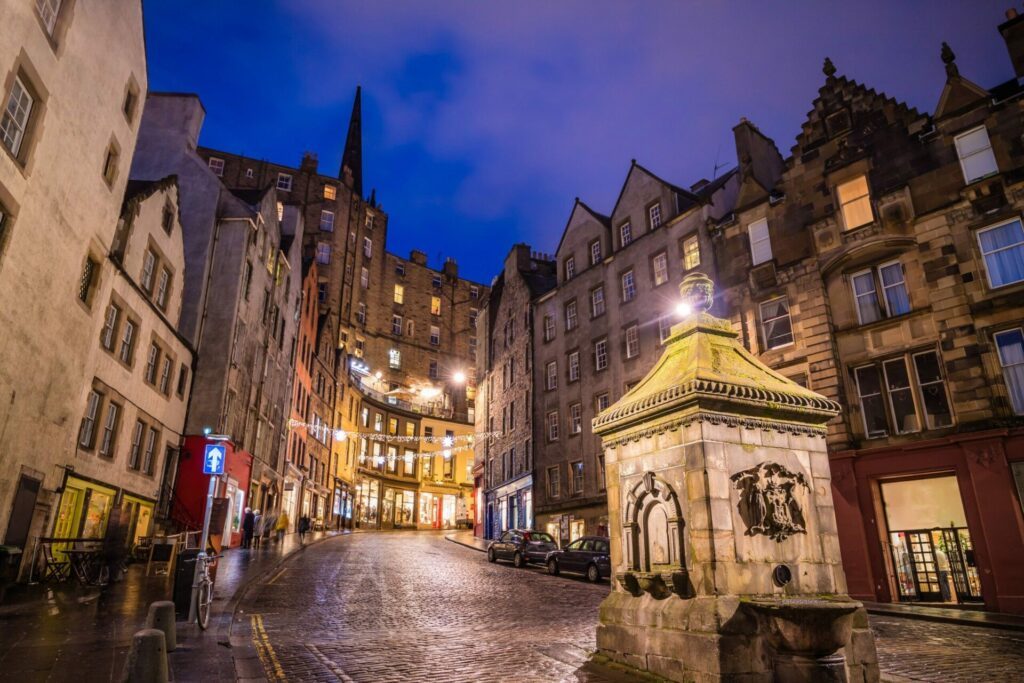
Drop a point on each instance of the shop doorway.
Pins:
(929, 542)
(22, 510)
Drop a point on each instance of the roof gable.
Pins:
(580, 214)
(958, 93)
(632, 177)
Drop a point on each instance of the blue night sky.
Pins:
(483, 120)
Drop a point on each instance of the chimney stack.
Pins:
(309, 163)
(1012, 31)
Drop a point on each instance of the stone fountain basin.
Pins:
(807, 626)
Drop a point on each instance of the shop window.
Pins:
(1010, 345)
(975, 152)
(1002, 247)
(855, 202)
(776, 324)
(886, 278)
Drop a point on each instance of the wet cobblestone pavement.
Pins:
(414, 607)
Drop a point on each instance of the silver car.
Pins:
(522, 546)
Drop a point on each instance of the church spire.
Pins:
(352, 157)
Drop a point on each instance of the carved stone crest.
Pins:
(767, 502)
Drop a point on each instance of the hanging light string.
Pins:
(343, 434)
(409, 457)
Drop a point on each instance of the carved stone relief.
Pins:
(767, 503)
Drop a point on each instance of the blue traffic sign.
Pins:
(213, 459)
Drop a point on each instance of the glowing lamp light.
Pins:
(378, 374)
(447, 455)
(447, 442)
(207, 431)
(459, 377)
(340, 435)
(684, 309)
(430, 392)
(378, 460)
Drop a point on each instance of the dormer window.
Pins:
(216, 165)
(855, 202)
(654, 215)
(595, 252)
(284, 182)
(975, 151)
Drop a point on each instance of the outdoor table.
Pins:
(85, 565)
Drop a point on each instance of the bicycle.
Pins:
(202, 589)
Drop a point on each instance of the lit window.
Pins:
(659, 268)
(330, 192)
(15, 117)
(399, 294)
(691, 252)
(570, 316)
(654, 216)
(601, 354)
(549, 328)
(1010, 345)
(775, 323)
(632, 341)
(323, 252)
(975, 152)
(435, 305)
(625, 234)
(1002, 247)
(595, 252)
(760, 242)
(395, 358)
(216, 165)
(48, 11)
(570, 268)
(327, 221)
(396, 325)
(597, 302)
(888, 277)
(435, 335)
(284, 182)
(855, 202)
(628, 287)
(551, 376)
(553, 425)
(367, 247)
(378, 422)
(574, 366)
(575, 418)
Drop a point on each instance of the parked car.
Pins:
(522, 546)
(587, 555)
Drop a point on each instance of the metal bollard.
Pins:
(147, 659)
(161, 617)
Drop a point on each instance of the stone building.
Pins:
(503, 410)
(601, 329)
(238, 313)
(61, 64)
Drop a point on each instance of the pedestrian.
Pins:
(257, 528)
(281, 527)
(114, 550)
(248, 522)
(303, 528)
(269, 523)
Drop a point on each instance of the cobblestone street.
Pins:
(415, 607)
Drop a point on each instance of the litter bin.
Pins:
(10, 560)
(184, 573)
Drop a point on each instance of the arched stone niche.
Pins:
(653, 539)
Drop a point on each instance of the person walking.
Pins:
(281, 527)
(248, 523)
(303, 528)
(269, 523)
(257, 528)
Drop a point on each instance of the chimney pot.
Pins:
(1011, 13)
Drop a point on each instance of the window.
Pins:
(448, 466)
(330, 192)
(601, 354)
(890, 406)
(88, 279)
(396, 325)
(400, 269)
(570, 316)
(553, 425)
(691, 252)
(975, 152)
(628, 287)
(163, 288)
(87, 432)
(136, 449)
(435, 335)
(664, 328)
(625, 234)
(110, 164)
(284, 182)
(888, 277)
(378, 422)
(432, 370)
(14, 121)
(323, 252)
(410, 330)
(148, 268)
(1002, 247)
(472, 317)
(327, 220)
(151, 362)
(182, 380)
(367, 247)
(393, 426)
(551, 376)
(855, 202)
(549, 328)
(933, 390)
(364, 278)
(659, 268)
(602, 402)
(570, 268)
(654, 216)
(775, 323)
(435, 305)
(127, 341)
(167, 219)
(901, 397)
(147, 458)
(361, 313)
(165, 376)
(760, 242)
(107, 443)
(474, 292)
(632, 341)
(575, 418)
(249, 174)
(1010, 345)
(399, 294)
(48, 11)
(321, 292)
(576, 483)
(394, 359)
(574, 366)
(110, 326)
(554, 483)
(597, 302)
(595, 252)
(436, 281)
(216, 165)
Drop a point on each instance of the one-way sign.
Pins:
(213, 459)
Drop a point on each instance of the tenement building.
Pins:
(62, 184)
(505, 492)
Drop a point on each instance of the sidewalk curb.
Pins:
(457, 541)
(945, 619)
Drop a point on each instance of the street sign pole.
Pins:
(202, 546)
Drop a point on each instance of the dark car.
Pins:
(522, 546)
(587, 555)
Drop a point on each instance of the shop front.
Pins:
(85, 511)
(232, 492)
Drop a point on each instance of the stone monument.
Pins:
(725, 553)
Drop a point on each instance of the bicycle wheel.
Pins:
(203, 600)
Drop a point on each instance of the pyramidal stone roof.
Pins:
(705, 373)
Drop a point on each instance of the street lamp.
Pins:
(683, 309)
(459, 377)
